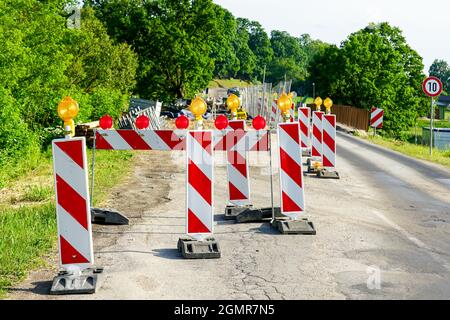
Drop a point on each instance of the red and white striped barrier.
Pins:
(199, 195)
(329, 141)
(304, 118)
(168, 140)
(317, 134)
(165, 140)
(274, 113)
(376, 118)
(237, 170)
(292, 113)
(291, 173)
(72, 204)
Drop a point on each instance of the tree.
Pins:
(247, 59)
(375, 67)
(259, 43)
(289, 59)
(441, 70)
(173, 38)
(315, 51)
(41, 61)
(97, 61)
(226, 62)
(325, 69)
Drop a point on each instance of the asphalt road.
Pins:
(383, 232)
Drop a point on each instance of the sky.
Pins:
(425, 24)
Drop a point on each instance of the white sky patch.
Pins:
(425, 24)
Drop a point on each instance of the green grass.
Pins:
(111, 167)
(16, 168)
(410, 149)
(28, 232)
(37, 194)
(299, 99)
(25, 235)
(437, 123)
(228, 83)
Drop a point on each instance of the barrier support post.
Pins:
(76, 258)
(100, 215)
(328, 170)
(258, 141)
(304, 119)
(292, 193)
(238, 182)
(199, 243)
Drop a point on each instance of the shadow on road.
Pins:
(123, 251)
(171, 254)
(40, 287)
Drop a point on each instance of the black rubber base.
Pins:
(328, 174)
(231, 212)
(108, 217)
(303, 226)
(257, 215)
(85, 283)
(194, 249)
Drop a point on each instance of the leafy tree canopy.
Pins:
(374, 67)
(174, 40)
(441, 70)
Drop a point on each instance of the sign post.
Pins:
(432, 87)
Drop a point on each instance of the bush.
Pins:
(19, 146)
(108, 101)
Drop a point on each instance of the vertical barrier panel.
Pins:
(376, 118)
(329, 141)
(200, 212)
(304, 118)
(72, 203)
(237, 168)
(291, 173)
(292, 113)
(275, 113)
(317, 134)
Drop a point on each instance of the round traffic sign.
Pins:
(432, 86)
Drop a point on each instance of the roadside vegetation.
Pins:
(161, 50)
(229, 83)
(412, 144)
(28, 218)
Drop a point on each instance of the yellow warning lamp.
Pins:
(198, 109)
(285, 104)
(317, 165)
(318, 102)
(67, 110)
(328, 103)
(233, 104)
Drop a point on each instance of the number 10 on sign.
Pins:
(432, 87)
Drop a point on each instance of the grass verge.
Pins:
(28, 229)
(228, 83)
(410, 149)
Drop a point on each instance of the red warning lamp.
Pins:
(106, 122)
(221, 122)
(142, 122)
(259, 123)
(182, 122)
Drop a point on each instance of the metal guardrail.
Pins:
(127, 121)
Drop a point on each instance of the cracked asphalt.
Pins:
(383, 232)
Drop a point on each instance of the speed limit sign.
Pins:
(432, 86)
